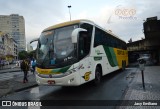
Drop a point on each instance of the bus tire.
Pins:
(98, 76)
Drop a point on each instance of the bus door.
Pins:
(83, 54)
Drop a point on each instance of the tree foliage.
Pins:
(32, 54)
(22, 55)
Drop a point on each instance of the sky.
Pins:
(123, 17)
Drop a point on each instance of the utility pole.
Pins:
(69, 11)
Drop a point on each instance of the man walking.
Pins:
(25, 69)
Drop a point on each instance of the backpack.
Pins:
(24, 65)
(33, 63)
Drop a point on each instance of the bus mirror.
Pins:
(29, 47)
(75, 34)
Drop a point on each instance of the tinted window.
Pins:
(104, 38)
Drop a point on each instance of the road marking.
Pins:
(34, 107)
(34, 91)
(7, 76)
(130, 68)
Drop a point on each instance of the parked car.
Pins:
(146, 57)
(14, 62)
(6, 62)
(1, 63)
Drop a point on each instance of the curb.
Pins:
(25, 88)
(10, 71)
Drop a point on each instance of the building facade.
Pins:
(8, 48)
(150, 45)
(14, 26)
(15, 49)
(2, 48)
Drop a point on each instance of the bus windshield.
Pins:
(55, 47)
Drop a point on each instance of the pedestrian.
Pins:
(33, 64)
(25, 69)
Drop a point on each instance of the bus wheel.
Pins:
(98, 76)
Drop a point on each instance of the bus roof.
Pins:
(67, 23)
(79, 21)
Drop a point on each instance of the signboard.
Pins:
(141, 67)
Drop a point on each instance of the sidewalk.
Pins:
(152, 88)
(16, 84)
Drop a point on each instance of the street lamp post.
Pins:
(69, 11)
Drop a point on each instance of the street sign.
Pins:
(141, 67)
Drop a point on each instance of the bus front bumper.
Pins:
(69, 80)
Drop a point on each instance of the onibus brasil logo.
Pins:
(123, 13)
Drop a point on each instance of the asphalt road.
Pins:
(112, 87)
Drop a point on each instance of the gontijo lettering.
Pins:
(120, 52)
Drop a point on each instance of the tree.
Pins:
(32, 54)
(22, 55)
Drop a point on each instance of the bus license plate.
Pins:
(51, 82)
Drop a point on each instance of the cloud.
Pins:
(37, 14)
(128, 28)
(104, 15)
(82, 15)
(106, 18)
